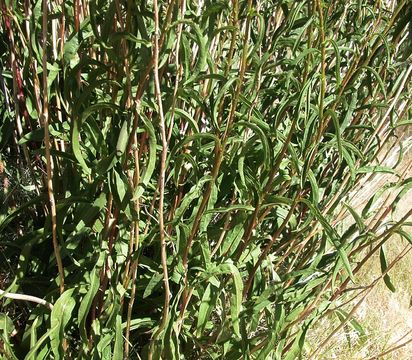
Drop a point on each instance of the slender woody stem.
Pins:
(49, 164)
(161, 180)
(23, 297)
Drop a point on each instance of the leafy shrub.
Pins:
(188, 165)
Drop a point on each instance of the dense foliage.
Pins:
(175, 174)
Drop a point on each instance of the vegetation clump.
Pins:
(177, 176)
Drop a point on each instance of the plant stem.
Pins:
(161, 181)
(49, 163)
(24, 297)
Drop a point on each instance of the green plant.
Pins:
(189, 163)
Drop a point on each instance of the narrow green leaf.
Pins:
(333, 237)
(375, 169)
(148, 172)
(6, 324)
(118, 343)
(355, 215)
(230, 209)
(297, 346)
(60, 317)
(87, 301)
(31, 355)
(236, 299)
(384, 267)
(338, 135)
(154, 281)
(205, 308)
(122, 139)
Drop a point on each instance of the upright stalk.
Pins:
(49, 162)
(161, 180)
